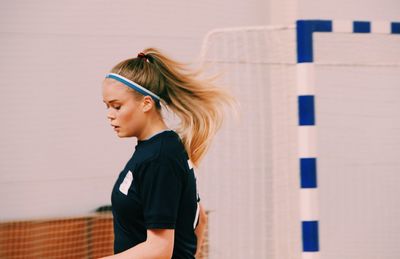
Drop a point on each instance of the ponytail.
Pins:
(198, 103)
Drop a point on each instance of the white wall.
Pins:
(350, 10)
(288, 11)
(59, 156)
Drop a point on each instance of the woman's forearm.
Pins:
(158, 245)
(200, 230)
(144, 250)
(200, 237)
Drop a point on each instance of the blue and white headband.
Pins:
(134, 86)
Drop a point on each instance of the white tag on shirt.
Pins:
(190, 164)
(124, 186)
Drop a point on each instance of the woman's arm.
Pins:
(200, 229)
(159, 245)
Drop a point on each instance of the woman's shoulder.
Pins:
(163, 147)
(167, 155)
(170, 148)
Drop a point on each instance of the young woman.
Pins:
(155, 204)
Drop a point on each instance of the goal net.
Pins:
(250, 178)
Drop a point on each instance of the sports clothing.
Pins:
(156, 190)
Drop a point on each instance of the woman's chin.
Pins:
(119, 134)
(122, 135)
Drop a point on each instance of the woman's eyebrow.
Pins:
(110, 101)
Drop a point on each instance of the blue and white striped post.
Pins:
(307, 122)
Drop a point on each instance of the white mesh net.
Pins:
(247, 179)
(250, 178)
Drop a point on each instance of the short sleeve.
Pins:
(160, 189)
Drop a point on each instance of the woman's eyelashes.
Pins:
(115, 107)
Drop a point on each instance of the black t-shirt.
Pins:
(156, 190)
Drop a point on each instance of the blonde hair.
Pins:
(197, 102)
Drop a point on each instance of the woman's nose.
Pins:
(110, 114)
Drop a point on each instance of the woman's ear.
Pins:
(148, 103)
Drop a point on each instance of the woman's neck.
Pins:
(152, 128)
